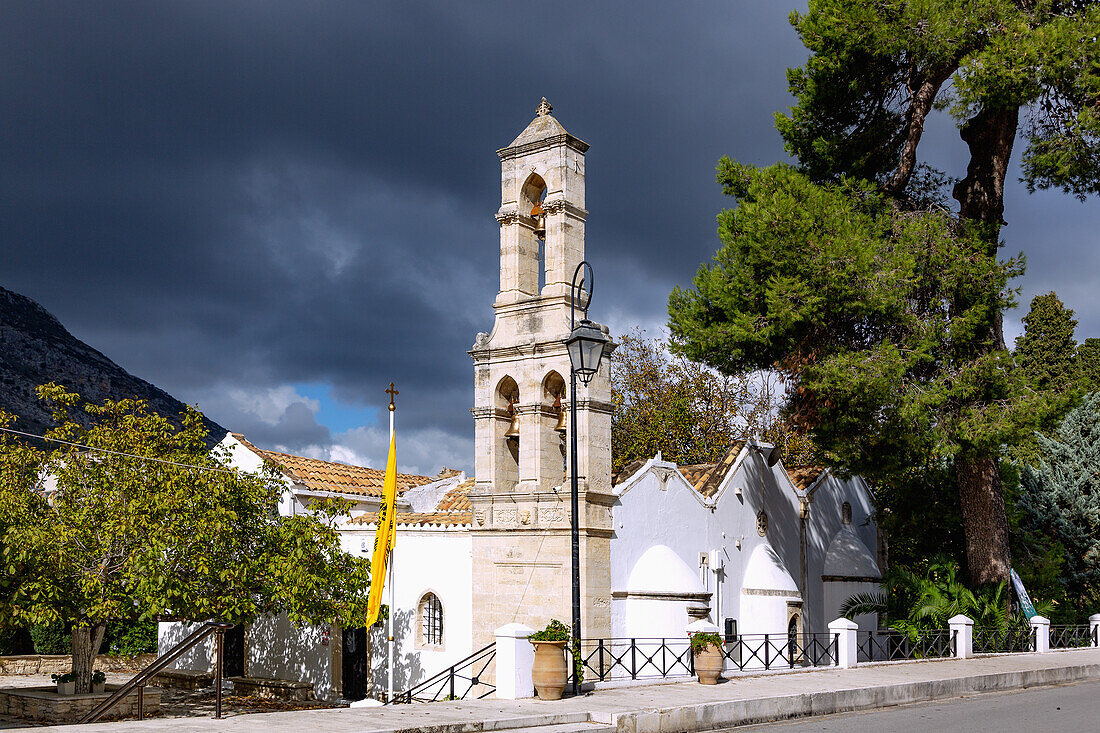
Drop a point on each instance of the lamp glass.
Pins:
(586, 346)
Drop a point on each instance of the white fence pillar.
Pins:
(515, 657)
(1094, 628)
(1041, 626)
(847, 644)
(962, 628)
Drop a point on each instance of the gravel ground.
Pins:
(174, 703)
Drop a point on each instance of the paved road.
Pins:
(1065, 708)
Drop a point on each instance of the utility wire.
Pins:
(343, 488)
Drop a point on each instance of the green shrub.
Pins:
(554, 631)
(704, 639)
(130, 638)
(16, 641)
(52, 639)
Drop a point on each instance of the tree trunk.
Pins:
(990, 135)
(984, 521)
(86, 643)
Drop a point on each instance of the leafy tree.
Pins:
(689, 412)
(147, 522)
(1088, 364)
(876, 71)
(1046, 350)
(1060, 499)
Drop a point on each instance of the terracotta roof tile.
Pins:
(707, 477)
(331, 476)
(803, 477)
(627, 471)
(452, 510)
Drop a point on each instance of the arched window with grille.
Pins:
(430, 613)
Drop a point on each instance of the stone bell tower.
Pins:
(521, 527)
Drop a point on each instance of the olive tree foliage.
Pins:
(148, 522)
(877, 70)
(689, 412)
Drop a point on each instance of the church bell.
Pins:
(561, 426)
(512, 433)
(539, 215)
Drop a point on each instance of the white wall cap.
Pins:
(848, 557)
(960, 620)
(843, 624)
(766, 571)
(1040, 621)
(661, 570)
(514, 631)
(701, 627)
(1095, 618)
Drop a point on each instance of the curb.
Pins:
(728, 714)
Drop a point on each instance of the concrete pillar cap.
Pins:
(701, 627)
(514, 631)
(843, 624)
(1040, 621)
(1095, 618)
(960, 620)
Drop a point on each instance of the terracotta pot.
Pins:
(550, 671)
(708, 665)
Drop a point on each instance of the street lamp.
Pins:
(585, 344)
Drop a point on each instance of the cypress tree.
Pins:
(1047, 349)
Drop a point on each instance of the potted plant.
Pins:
(706, 647)
(66, 683)
(550, 672)
(99, 679)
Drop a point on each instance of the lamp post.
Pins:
(585, 345)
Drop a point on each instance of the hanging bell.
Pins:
(539, 215)
(561, 426)
(512, 433)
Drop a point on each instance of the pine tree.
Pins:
(1047, 349)
(876, 72)
(1060, 498)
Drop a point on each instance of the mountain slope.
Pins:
(35, 348)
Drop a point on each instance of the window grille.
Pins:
(431, 620)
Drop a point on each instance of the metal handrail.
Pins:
(158, 664)
(486, 654)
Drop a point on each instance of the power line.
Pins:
(342, 488)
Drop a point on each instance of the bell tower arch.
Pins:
(520, 500)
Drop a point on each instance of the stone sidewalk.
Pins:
(675, 707)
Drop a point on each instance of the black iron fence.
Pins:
(463, 679)
(646, 658)
(1071, 636)
(1004, 641)
(888, 645)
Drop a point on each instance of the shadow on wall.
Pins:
(199, 658)
(408, 669)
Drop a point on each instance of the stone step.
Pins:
(566, 728)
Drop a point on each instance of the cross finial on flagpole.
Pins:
(392, 393)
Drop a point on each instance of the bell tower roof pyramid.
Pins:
(543, 131)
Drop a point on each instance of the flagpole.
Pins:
(393, 609)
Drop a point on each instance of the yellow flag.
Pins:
(386, 535)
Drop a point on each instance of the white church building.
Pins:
(747, 543)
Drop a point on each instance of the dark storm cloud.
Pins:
(239, 196)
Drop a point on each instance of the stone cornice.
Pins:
(552, 141)
(661, 595)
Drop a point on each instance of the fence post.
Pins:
(1094, 628)
(845, 631)
(1041, 627)
(963, 629)
(515, 656)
